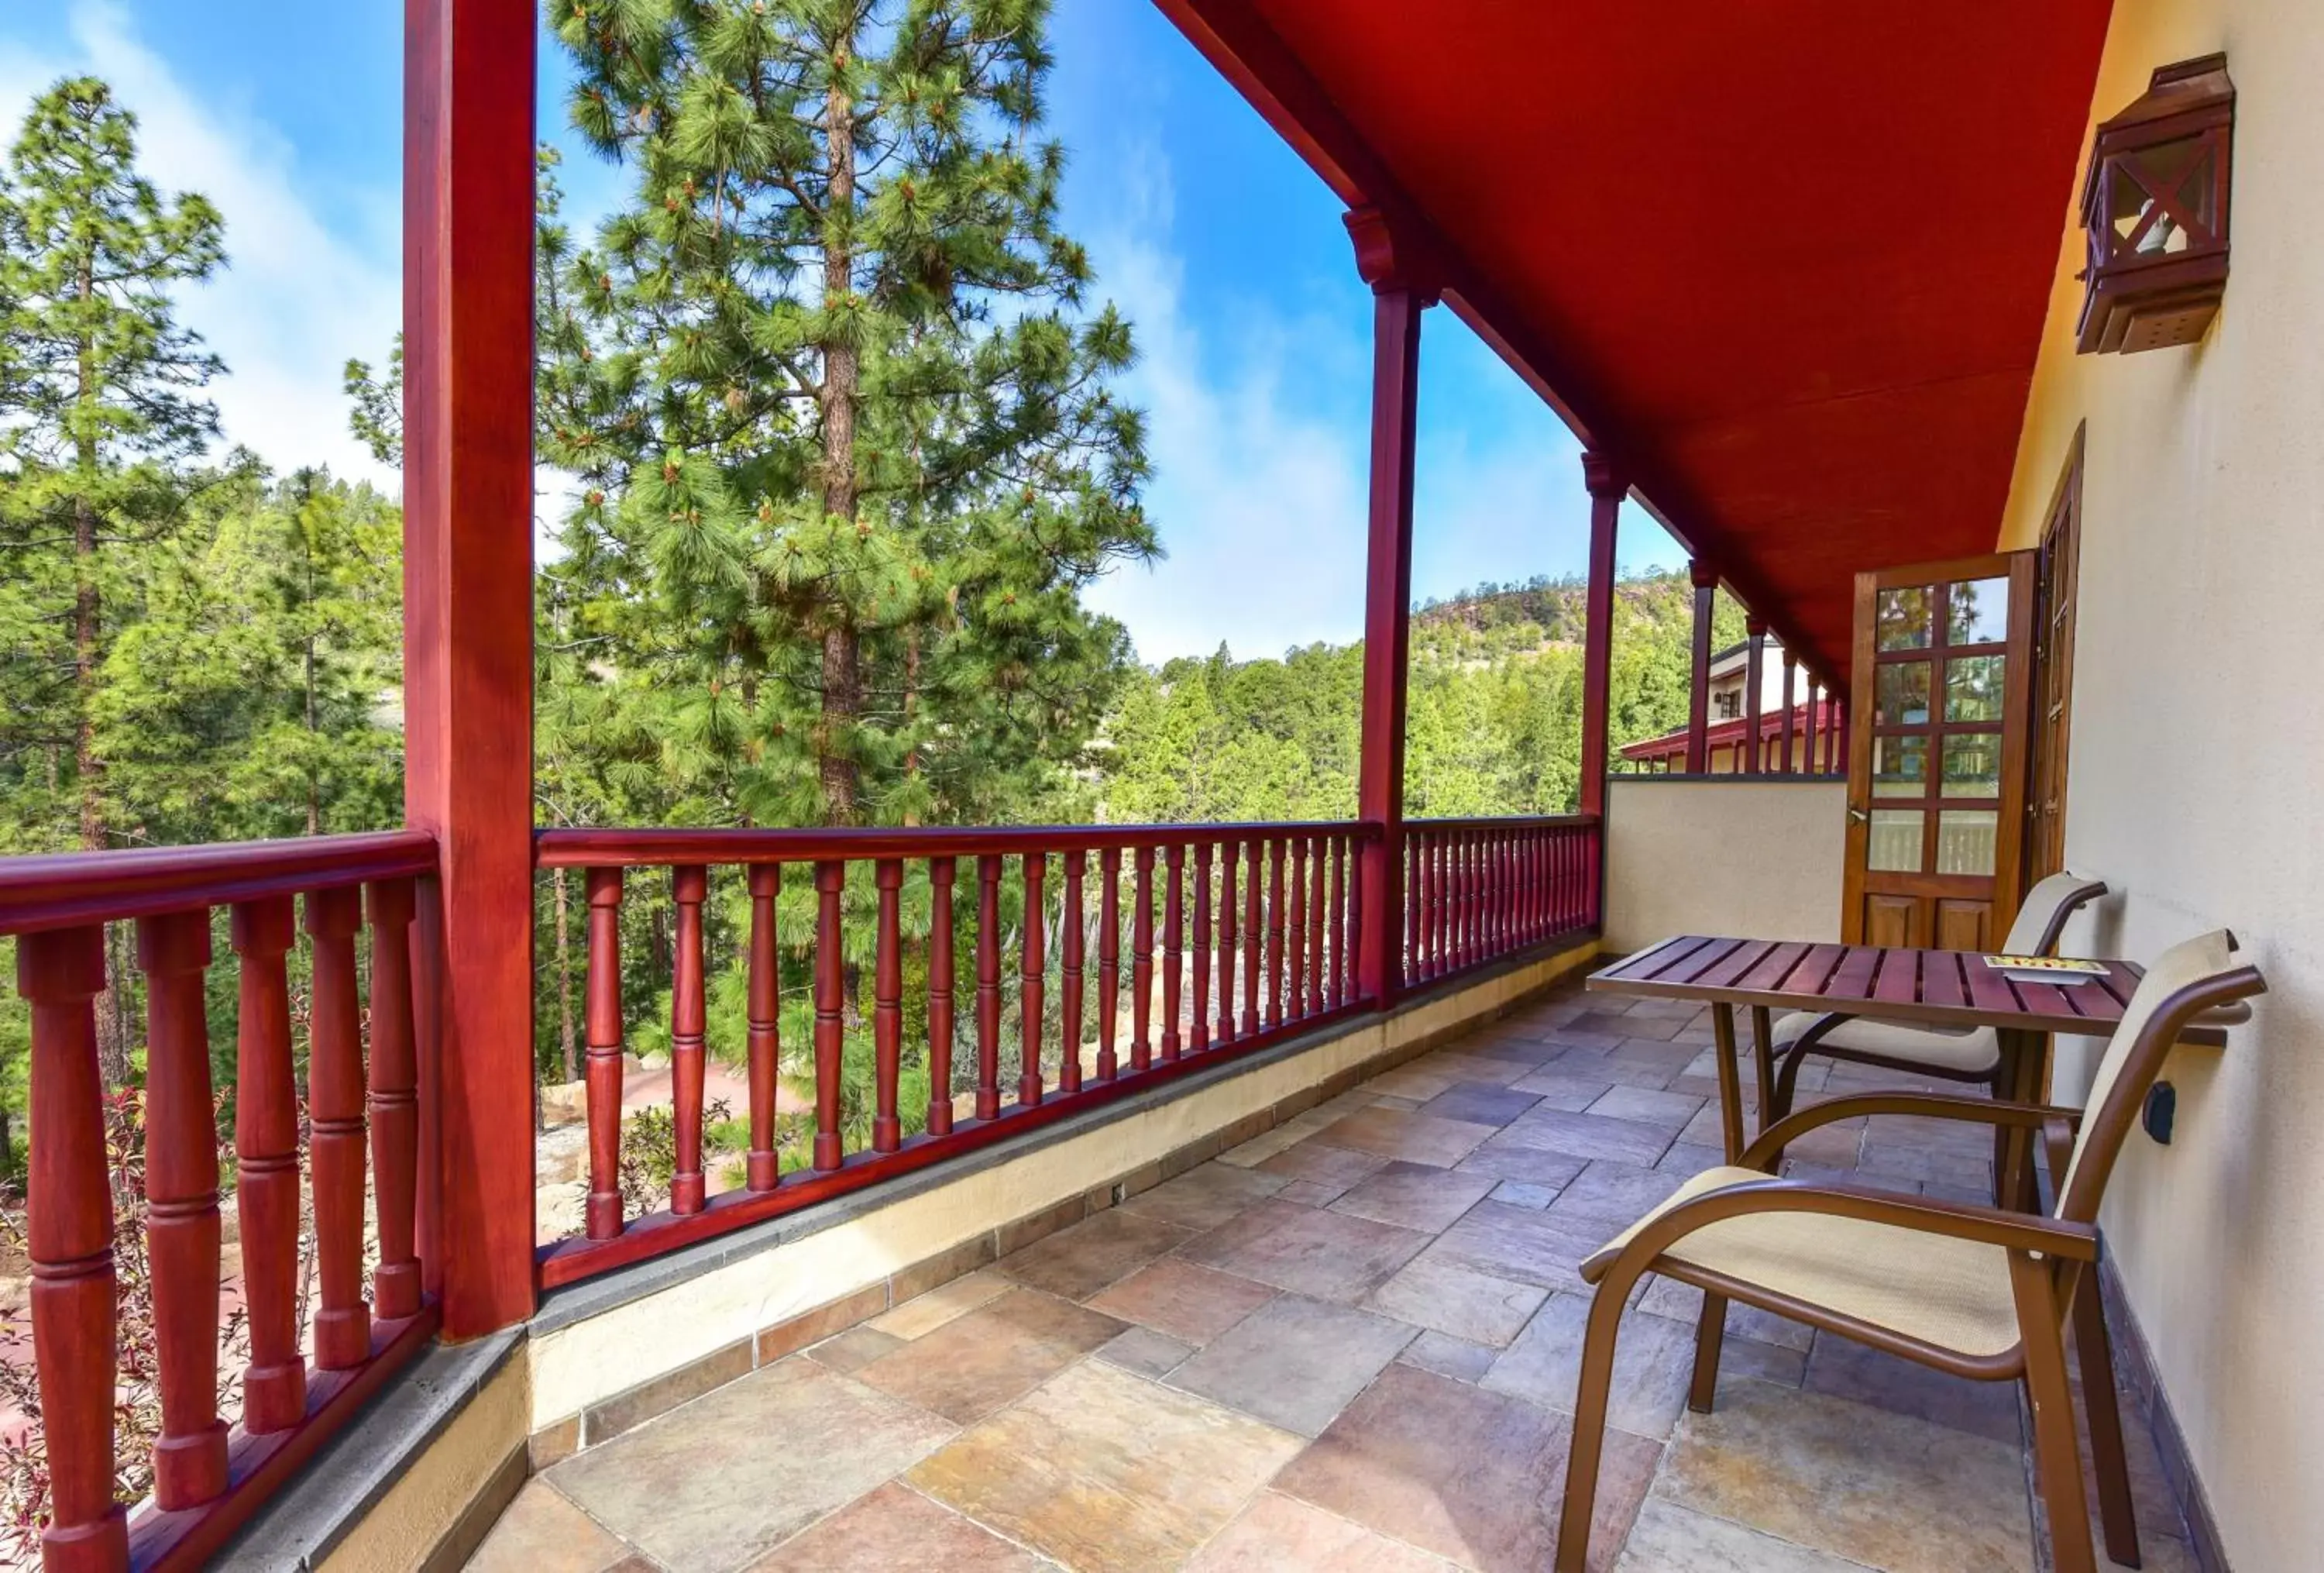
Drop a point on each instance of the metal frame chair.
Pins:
(1919, 1277)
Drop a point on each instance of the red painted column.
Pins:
(1698, 704)
(468, 563)
(1607, 487)
(1815, 762)
(1755, 758)
(1791, 721)
(1401, 294)
(68, 1236)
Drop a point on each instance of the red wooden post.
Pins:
(1252, 934)
(1791, 721)
(266, 1168)
(181, 1227)
(1338, 903)
(1069, 976)
(1839, 735)
(1814, 761)
(1028, 1028)
(602, 1016)
(988, 986)
(1141, 960)
(467, 641)
(1440, 897)
(1705, 580)
(1198, 1031)
(70, 1239)
(1275, 968)
(940, 996)
(1355, 925)
(394, 1101)
(334, 1111)
(687, 1187)
(1230, 854)
(1755, 631)
(1401, 292)
(1315, 936)
(1109, 960)
(830, 997)
(1416, 945)
(1296, 957)
(1173, 958)
(763, 1012)
(1607, 487)
(888, 1006)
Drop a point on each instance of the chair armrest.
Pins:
(1935, 1105)
(2057, 1136)
(2012, 1231)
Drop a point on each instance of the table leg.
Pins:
(1731, 1088)
(1762, 1062)
(2014, 1182)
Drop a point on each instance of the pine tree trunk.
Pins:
(842, 676)
(112, 1039)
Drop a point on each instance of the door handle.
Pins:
(1859, 815)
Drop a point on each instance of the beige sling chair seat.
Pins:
(1974, 1291)
(1951, 1055)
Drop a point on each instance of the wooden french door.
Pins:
(1936, 770)
(2053, 674)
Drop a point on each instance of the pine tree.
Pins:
(845, 423)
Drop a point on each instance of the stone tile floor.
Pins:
(1349, 1345)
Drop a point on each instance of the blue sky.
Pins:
(1225, 251)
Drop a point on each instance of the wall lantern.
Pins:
(2154, 210)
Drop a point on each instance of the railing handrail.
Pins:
(68, 890)
(585, 848)
(1504, 822)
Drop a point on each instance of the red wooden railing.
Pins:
(208, 1477)
(1240, 934)
(1478, 890)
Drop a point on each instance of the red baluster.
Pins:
(1230, 852)
(182, 1222)
(762, 1011)
(603, 1210)
(1029, 1000)
(1069, 1008)
(334, 1122)
(1314, 926)
(1415, 931)
(266, 1168)
(1141, 961)
(1109, 959)
(1338, 946)
(394, 1102)
(1198, 1028)
(1275, 969)
(940, 987)
(1296, 958)
(830, 995)
(687, 1185)
(888, 1007)
(1253, 934)
(988, 986)
(1173, 924)
(70, 1238)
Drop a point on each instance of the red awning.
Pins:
(1788, 260)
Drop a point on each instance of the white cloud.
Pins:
(298, 298)
(1258, 498)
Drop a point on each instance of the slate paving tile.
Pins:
(1189, 1303)
(1415, 1138)
(1519, 1243)
(1277, 1532)
(1463, 1064)
(1077, 1262)
(1294, 1362)
(1204, 1197)
(1107, 1472)
(541, 1532)
(713, 1508)
(1558, 1088)
(1517, 1193)
(1451, 1298)
(897, 1527)
(1587, 1135)
(1654, 1358)
(1415, 1196)
(854, 1348)
(1613, 1196)
(925, 1313)
(1648, 1106)
(1471, 1475)
(994, 1354)
(1450, 1356)
(1311, 1251)
(1844, 1368)
(1145, 1352)
(1671, 1539)
(1532, 1165)
(1319, 1164)
(1480, 1104)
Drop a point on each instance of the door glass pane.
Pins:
(1977, 612)
(1900, 767)
(1903, 618)
(1896, 843)
(1973, 688)
(1904, 695)
(1965, 840)
(1973, 765)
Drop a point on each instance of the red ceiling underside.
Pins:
(1788, 258)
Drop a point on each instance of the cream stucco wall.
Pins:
(1759, 859)
(2197, 775)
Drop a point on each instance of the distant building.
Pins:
(1727, 737)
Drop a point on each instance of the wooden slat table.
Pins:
(1938, 989)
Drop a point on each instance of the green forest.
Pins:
(838, 402)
